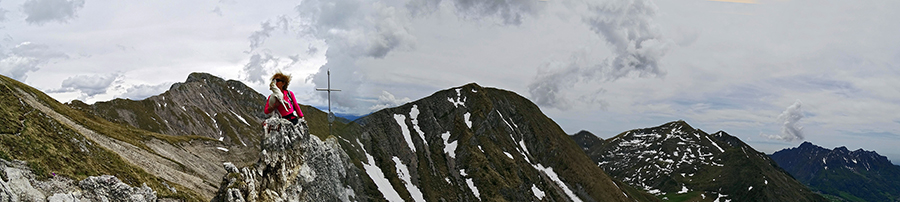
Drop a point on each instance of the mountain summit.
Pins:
(853, 175)
(473, 143)
(676, 161)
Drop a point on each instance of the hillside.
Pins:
(47, 148)
(677, 162)
(852, 175)
(203, 106)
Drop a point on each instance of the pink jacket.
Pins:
(281, 109)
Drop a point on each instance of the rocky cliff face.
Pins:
(293, 166)
(675, 160)
(19, 183)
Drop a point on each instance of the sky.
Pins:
(774, 73)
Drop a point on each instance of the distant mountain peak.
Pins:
(840, 172)
(200, 76)
(584, 132)
(676, 160)
(807, 144)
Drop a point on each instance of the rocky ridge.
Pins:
(675, 160)
(852, 175)
(293, 166)
(202, 106)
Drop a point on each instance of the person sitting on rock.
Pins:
(282, 99)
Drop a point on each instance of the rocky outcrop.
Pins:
(18, 183)
(293, 167)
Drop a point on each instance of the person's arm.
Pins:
(296, 106)
(267, 109)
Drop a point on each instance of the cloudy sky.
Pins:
(772, 72)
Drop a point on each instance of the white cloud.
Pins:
(636, 42)
(141, 91)
(386, 100)
(88, 85)
(351, 29)
(790, 131)
(43, 11)
(259, 66)
(509, 12)
(259, 37)
(27, 57)
(3, 14)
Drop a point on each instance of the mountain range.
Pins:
(677, 162)
(207, 139)
(857, 175)
(461, 144)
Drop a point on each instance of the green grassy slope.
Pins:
(50, 147)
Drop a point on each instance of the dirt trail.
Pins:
(150, 162)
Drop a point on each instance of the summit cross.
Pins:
(329, 89)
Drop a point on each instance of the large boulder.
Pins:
(292, 167)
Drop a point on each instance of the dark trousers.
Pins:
(293, 119)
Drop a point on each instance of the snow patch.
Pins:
(474, 188)
(714, 144)
(403, 173)
(508, 155)
(522, 144)
(553, 176)
(222, 148)
(721, 197)
(460, 101)
(537, 192)
(401, 120)
(240, 118)
(684, 189)
(751, 188)
(766, 181)
(414, 114)
(449, 147)
(468, 122)
(377, 176)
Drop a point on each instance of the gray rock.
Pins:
(20, 185)
(293, 167)
(230, 167)
(109, 188)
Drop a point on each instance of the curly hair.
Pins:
(281, 76)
